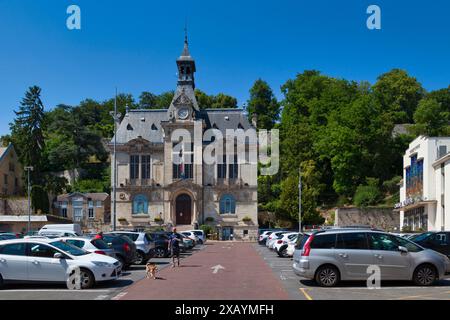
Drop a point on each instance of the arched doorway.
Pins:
(183, 209)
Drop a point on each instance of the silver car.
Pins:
(333, 255)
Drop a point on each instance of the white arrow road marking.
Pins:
(217, 268)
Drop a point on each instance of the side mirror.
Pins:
(58, 255)
(402, 249)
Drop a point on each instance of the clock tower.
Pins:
(184, 105)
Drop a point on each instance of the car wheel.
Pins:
(425, 275)
(140, 258)
(87, 279)
(160, 252)
(200, 241)
(122, 261)
(327, 276)
(283, 253)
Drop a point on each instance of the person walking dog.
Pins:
(175, 247)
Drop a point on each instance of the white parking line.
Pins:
(120, 295)
(54, 290)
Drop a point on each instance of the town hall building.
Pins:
(165, 179)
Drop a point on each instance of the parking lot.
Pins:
(303, 289)
(103, 291)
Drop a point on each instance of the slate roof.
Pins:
(139, 123)
(143, 122)
(4, 151)
(93, 196)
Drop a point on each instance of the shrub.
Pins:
(366, 196)
(207, 229)
(391, 186)
(246, 219)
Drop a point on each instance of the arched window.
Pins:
(227, 204)
(140, 204)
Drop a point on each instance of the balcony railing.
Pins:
(139, 182)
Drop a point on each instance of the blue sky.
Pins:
(133, 45)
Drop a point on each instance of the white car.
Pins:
(200, 234)
(92, 245)
(274, 237)
(47, 260)
(264, 236)
(191, 235)
(286, 237)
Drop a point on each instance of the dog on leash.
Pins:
(150, 270)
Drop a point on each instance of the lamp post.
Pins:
(116, 116)
(28, 169)
(299, 200)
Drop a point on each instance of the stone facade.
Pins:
(11, 172)
(162, 174)
(91, 210)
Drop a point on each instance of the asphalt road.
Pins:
(102, 291)
(303, 289)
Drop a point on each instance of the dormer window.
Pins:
(215, 126)
(240, 126)
(154, 127)
(129, 127)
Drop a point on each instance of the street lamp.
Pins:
(28, 169)
(116, 116)
(300, 200)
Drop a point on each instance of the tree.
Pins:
(399, 94)
(431, 118)
(5, 140)
(263, 103)
(27, 132)
(214, 101)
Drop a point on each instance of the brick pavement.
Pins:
(246, 276)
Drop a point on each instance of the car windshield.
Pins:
(69, 248)
(100, 244)
(420, 237)
(301, 240)
(132, 236)
(198, 233)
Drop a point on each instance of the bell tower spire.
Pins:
(186, 65)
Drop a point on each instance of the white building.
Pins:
(425, 188)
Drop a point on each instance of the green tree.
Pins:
(399, 94)
(263, 103)
(27, 132)
(431, 118)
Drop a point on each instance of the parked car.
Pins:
(188, 243)
(73, 228)
(284, 239)
(284, 250)
(200, 234)
(98, 246)
(144, 245)
(47, 260)
(57, 233)
(437, 241)
(345, 254)
(191, 236)
(123, 246)
(161, 240)
(8, 236)
(264, 236)
(274, 237)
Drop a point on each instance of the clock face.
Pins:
(183, 113)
